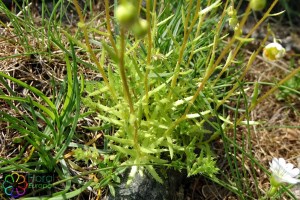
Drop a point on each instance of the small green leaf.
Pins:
(120, 140)
(123, 150)
(112, 190)
(255, 94)
(132, 174)
(170, 147)
(110, 52)
(154, 174)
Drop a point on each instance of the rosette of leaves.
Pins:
(184, 147)
(155, 131)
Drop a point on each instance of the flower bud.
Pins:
(140, 28)
(231, 11)
(257, 5)
(237, 30)
(126, 14)
(273, 51)
(233, 21)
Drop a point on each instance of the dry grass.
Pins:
(278, 136)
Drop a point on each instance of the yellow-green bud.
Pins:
(126, 14)
(258, 5)
(238, 31)
(140, 28)
(231, 11)
(233, 21)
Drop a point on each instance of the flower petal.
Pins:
(274, 162)
(281, 162)
(284, 172)
(289, 166)
(294, 172)
(291, 180)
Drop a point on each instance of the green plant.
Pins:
(172, 84)
(149, 100)
(164, 87)
(290, 89)
(60, 115)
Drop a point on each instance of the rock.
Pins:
(145, 187)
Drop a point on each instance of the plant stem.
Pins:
(126, 88)
(146, 109)
(262, 19)
(187, 31)
(228, 46)
(108, 27)
(212, 68)
(89, 49)
(249, 64)
(271, 91)
(122, 72)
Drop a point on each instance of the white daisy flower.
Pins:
(283, 172)
(273, 51)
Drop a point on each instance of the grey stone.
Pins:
(146, 188)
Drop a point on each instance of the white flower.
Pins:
(273, 51)
(283, 172)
